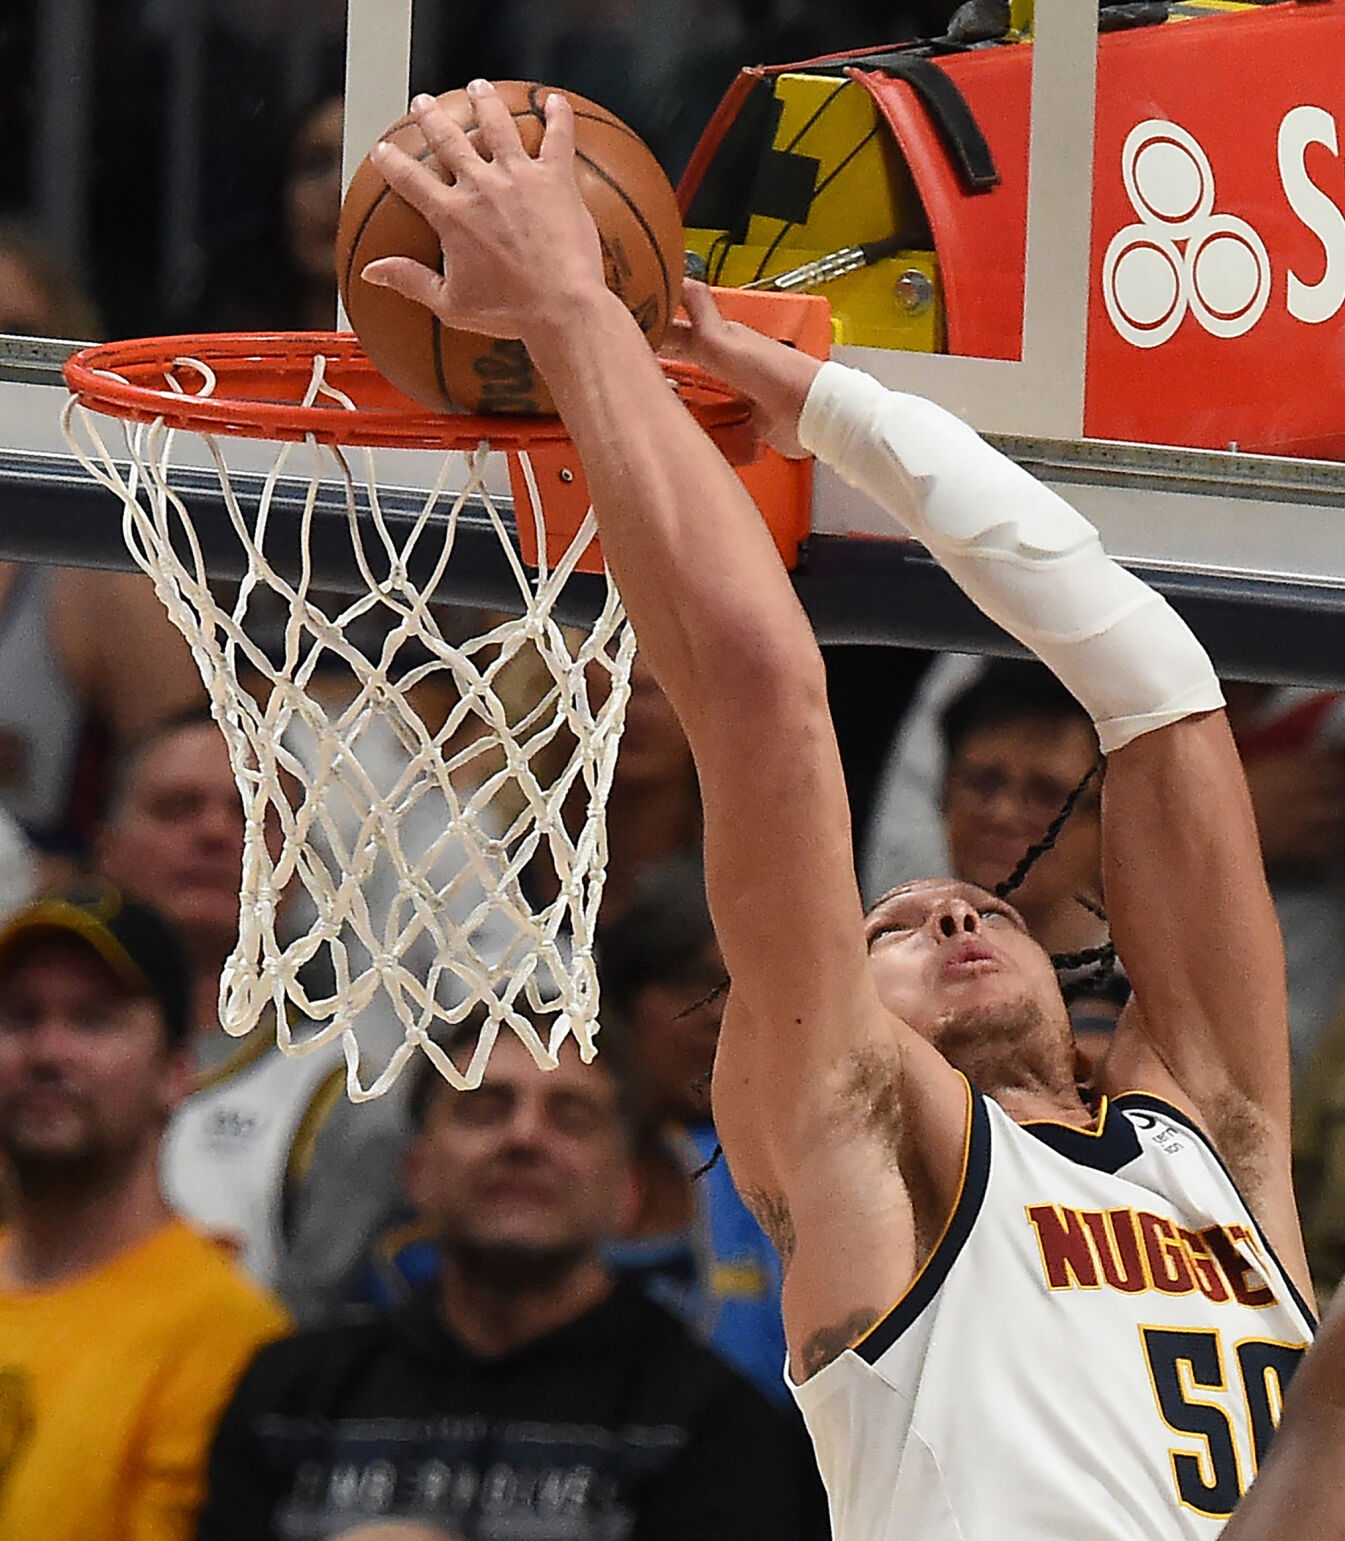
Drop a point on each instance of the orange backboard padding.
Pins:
(782, 489)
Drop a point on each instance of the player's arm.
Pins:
(716, 617)
(1186, 893)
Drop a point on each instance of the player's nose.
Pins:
(956, 917)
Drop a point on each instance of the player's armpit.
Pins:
(829, 1343)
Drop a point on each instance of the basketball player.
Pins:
(1010, 1315)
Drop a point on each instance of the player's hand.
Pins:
(774, 378)
(520, 248)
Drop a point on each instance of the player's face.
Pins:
(946, 952)
(85, 1077)
(531, 1163)
(176, 837)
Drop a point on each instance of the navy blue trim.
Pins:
(1107, 1149)
(1146, 1101)
(927, 1282)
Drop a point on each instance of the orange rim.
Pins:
(261, 379)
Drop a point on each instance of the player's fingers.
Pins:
(699, 300)
(454, 151)
(417, 183)
(497, 131)
(407, 277)
(558, 137)
(681, 342)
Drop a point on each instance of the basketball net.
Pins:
(408, 846)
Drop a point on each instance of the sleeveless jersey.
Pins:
(230, 1147)
(1096, 1349)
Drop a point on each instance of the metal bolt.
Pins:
(914, 292)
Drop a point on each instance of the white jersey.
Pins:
(1096, 1350)
(232, 1145)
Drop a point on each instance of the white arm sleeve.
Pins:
(1029, 561)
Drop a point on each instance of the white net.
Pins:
(424, 812)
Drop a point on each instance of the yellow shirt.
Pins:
(111, 1386)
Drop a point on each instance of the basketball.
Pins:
(638, 221)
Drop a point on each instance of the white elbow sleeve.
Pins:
(1029, 561)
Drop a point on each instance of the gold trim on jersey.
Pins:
(244, 1057)
(312, 1123)
(1096, 1132)
(947, 1226)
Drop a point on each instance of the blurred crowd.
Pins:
(233, 1303)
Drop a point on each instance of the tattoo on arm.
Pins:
(829, 1343)
(772, 1215)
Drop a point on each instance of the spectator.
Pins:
(121, 1330)
(526, 1393)
(694, 1243)
(905, 835)
(266, 1152)
(1292, 742)
(282, 274)
(38, 295)
(87, 659)
(1016, 745)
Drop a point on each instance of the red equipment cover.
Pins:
(1217, 286)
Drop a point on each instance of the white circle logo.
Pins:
(1228, 271)
(1167, 177)
(1149, 282)
(1143, 284)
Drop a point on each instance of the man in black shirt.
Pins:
(528, 1397)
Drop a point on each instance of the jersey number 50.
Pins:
(1185, 1365)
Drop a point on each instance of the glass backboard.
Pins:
(162, 153)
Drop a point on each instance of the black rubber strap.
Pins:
(948, 111)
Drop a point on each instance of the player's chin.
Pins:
(987, 1003)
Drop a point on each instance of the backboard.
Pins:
(1249, 546)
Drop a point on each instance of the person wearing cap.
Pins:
(266, 1152)
(122, 1330)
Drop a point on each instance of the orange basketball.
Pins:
(625, 190)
